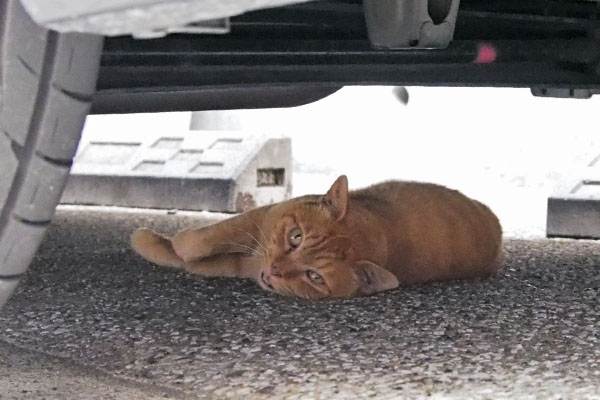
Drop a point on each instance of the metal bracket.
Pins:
(402, 24)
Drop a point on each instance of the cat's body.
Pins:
(343, 243)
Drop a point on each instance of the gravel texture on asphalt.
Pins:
(533, 331)
(33, 375)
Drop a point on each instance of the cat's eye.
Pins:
(295, 237)
(315, 277)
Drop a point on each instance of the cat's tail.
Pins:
(155, 248)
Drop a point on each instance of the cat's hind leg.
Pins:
(155, 248)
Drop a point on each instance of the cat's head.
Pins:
(316, 250)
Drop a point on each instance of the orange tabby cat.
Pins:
(341, 244)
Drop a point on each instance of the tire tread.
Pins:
(49, 79)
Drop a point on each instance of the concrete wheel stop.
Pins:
(226, 171)
(574, 206)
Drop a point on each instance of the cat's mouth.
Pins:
(264, 281)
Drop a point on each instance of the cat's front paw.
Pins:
(192, 244)
(144, 238)
(155, 248)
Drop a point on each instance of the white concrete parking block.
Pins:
(214, 171)
(574, 207)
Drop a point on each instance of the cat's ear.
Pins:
(372, 278)
(336, 198)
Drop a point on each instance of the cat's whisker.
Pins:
(253, 238)
(238, 245)
(259, 229)
(261, 232)
(250, 250)
(258, 243)
(264, 259)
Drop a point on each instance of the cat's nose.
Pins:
(265, 277)
(275, 270)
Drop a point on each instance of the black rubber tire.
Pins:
(47, 81)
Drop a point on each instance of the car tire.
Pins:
(47, 80)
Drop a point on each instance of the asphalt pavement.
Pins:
(93, 319)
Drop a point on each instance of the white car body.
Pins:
(138, 17)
